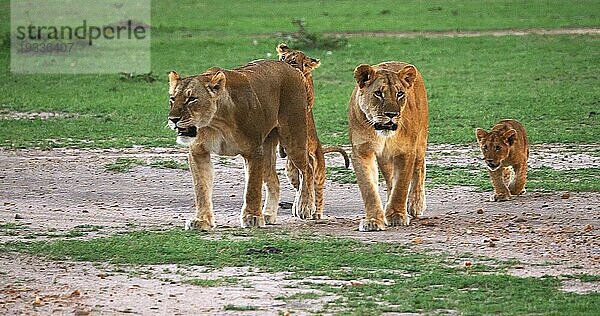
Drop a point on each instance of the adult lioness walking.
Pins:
(244, 111)
(388, 128)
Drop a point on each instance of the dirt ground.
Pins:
(50, 193)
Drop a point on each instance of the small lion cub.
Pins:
(503, 148)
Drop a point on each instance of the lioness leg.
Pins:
(395, 209)
(387, 170)
(365, 167)
(271, 181)
(517, 187)
(202, 176)
(296, 148)
(501, 192)
(251, 215)
(416, 197)
(319, 169)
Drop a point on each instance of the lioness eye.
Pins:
(498, 148)
(399, 95)
(190, 100)
(171, 100)
(484, 147)
(378, 94)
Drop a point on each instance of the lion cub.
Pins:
(306, 65)
(503, 148)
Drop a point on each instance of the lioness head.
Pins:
(382, 95)
(297, 59)
(193, 103)
(495, 146)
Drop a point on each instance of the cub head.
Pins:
(193, 103)
(382, 95)
(297, 59)
(495, 146)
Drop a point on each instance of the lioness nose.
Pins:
(391, 114)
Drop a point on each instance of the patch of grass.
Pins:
(586, 277)
(10, 229)
(232, 307)
(415, 282)
(577, 180)
(169, 164)
(340, 175)
(224, 281)
(123, 164)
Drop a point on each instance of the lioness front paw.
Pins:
(397, 219)
(198, 224)
(499, 197)
(270, 219)
(249, 221)
(371, 225)
(303, 211)
(317, 215)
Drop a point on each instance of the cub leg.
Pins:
(251, 215)
(501, 192)
(270, 182)
(416, 197)
(517, 187)
(319, 171)
(395, 209)
(293, 174)
(202, 176)
(365, 167)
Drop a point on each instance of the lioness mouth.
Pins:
(188, 132)
(385, 127)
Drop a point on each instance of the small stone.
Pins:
(18, 216)
(565, 195)
(479, 211)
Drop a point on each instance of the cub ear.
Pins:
(173, 80)
(510, 136)
(480, 134)
(408, 74)
(363, 74)
(281, 49)
(313, 63)
(216, 84)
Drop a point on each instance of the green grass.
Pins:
(414, 282)
(539, 179)
(224, 281)
(126, 164)
(547, 82)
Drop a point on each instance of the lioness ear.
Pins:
(480, 134)
(173, 80)
(408, 74)
(509, 136)
(281, 49)
(363, 73)
(216, 84)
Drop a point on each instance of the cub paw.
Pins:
(198, 224)
(371, 225)
(317, 215)
(499, 197)
(303, 212)
(397, 219)
(249, 221)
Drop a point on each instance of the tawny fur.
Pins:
(388, 128)
(306, 65)
(245, 111)
(505, 150)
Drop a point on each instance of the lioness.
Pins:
(388, 128)
(505, 147)
(244, 111)
(306, 65)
